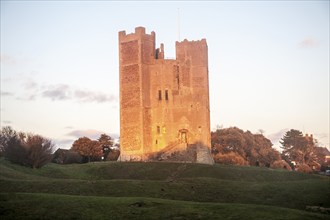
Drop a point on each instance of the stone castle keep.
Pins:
(164, 103)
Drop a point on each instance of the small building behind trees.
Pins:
(64, 156)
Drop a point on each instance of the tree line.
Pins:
(230, 146)
(235, 147)
(35, 151)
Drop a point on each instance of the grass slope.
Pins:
(92, 207)
(167, 191)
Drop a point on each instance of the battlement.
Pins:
(194, 51)
(139, 31)
(193, 42)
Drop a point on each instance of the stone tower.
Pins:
(164, 103)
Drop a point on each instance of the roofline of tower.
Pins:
(138, 31)
(185, 41)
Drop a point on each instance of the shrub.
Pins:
(63, 156)
(72, 157)
(230, 158)
(113, 155)
(304, 168)
(280, 164)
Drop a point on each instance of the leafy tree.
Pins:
(105, 140)
(12, 147)
(265, 154)
(230, 158)
(88, 148)
(297, 147)
(106, 144)
(228, 140)
(254, 149)
(113, 155)
(25, 149)
(320, 154)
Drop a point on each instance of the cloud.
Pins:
(276, 137)
(6, 59)
(3, 93)
(31, 89)
(30, 84)
(63, 143)
(14, 61)
(27, 97)
(90, 96)
(7, 122)
(90, 133)
(308, 43)
(68, 127)
(57, 92)
(61, 92)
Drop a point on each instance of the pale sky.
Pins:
(268, 63)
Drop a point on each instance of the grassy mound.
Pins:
(115, 190)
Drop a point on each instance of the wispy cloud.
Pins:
(63, 143)
(27, 97)
(13, 60)
(7, 59)
(3, 93)
(66, 92)
(91, 96)
(90, 133)
(57, 92)
(30, 84)
(308, 43)
(62, 92)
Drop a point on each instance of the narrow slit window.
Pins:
(166, 94)
(159, 94)
(158, 130)
(177, 76)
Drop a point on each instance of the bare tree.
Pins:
(25, 149)
(39, 150)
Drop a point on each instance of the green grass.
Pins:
(169, 191)
(51, 206)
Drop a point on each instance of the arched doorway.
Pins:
(183, 136)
